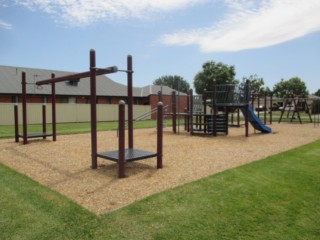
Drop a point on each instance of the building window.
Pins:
(15, 99)
(72, 99)
(146, 102)
(73, 82)
(64, 100)
(44, 99)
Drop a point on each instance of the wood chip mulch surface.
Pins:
(65, 165)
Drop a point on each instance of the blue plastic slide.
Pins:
(255, 121)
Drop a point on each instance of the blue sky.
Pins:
(275, 39)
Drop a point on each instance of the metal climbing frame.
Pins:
(25, 135)
(94, 71)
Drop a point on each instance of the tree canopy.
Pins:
(317, 93)
(292, 86)
(175, 82)
(256, 83)
(211, 71)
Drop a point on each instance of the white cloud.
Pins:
(253, 24)
(5, 25)
(85, 12)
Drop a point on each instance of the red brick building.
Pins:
(78, 91)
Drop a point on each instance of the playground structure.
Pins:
(215, 111)
(293, 105)
(123, 154)
(208, 114)
(25, 135)
(260, 102)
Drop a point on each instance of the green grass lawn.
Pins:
(275, 198)
(73, 128)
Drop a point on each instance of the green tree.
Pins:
(256, 83)
(317, 93)
(293, 86)
(175, 82)
(211, 70)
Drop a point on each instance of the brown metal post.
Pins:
(53, 103)
(98, 71)
(215, 108)
(283, 110)
(271, 109)
(24, 108)
(44, 120)
(130, 102)
(238, 117)
(265, 109)
(253, 95)
(202, 117)
(247, 120)
(227, 120)
(174, 112)
(185, 119)
(16, 122)
(93, 97)
(247, 99)
(159, 134)
(191, 111)
(258, 95)
(160, 96)
(121, 143)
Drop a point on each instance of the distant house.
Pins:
(77, 90)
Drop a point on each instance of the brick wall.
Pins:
(151, 100)
(6, 99)
(82, 100)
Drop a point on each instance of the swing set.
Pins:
(293, 104)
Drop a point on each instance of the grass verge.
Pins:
(73, 128)
(275, 198)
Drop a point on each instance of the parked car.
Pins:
(260, 108)
(288, 108)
